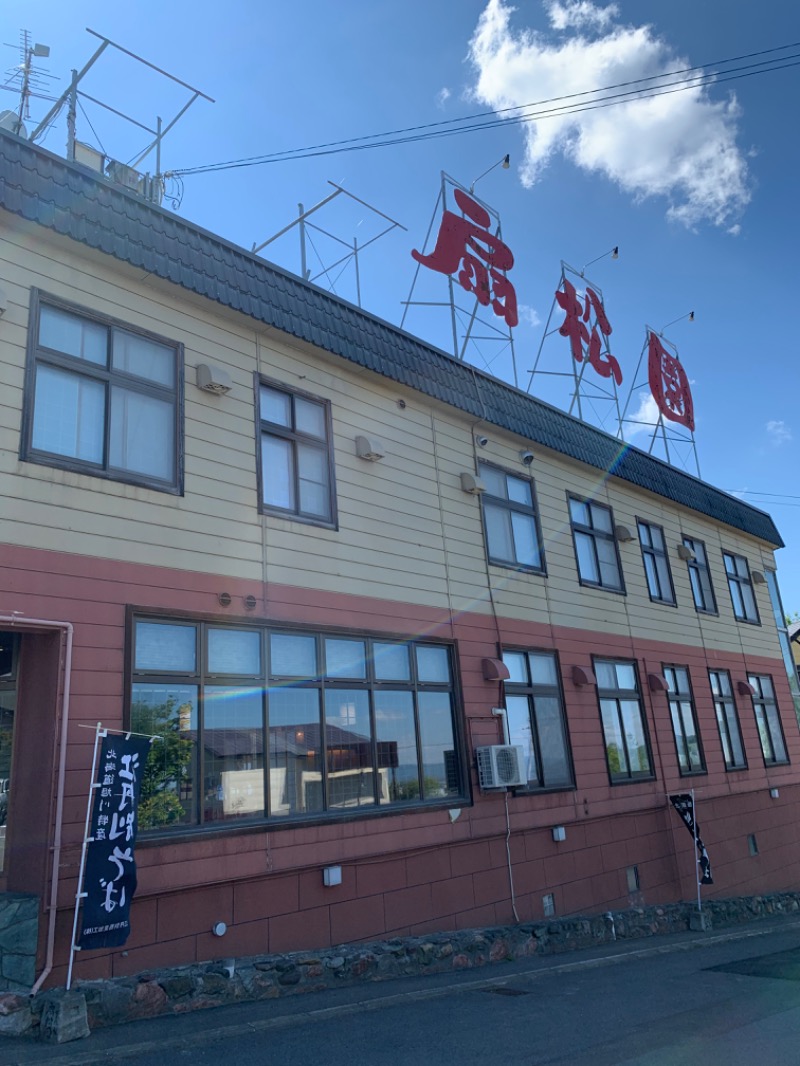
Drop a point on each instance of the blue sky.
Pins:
(698, 188)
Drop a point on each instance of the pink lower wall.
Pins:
(417, 871)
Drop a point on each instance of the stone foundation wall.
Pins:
(190, 988)
(19, 935)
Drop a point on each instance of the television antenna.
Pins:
(29, 77)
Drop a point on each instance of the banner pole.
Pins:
(99, 732)
(696, 853)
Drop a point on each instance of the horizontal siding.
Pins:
(406, 530)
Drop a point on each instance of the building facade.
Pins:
(315, 558)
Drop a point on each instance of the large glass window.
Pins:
(684, 721)
(535, 710)
(727, 720)
(768, 719)
(783, 636)
(656, 564)
(595, 544)
(101, 397)
(513, 537)
(700, 576)
(261, 724)
(741, 587)
(296, 462)
(622, 715)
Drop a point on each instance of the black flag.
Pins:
(684, 805)
(110, 877)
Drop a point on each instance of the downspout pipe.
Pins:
(22, 623)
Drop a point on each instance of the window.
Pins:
(783, 637)
(624, 730)
(9, 665)
(656, 564)
(259, 723)
(727, 719)
(296, 460)
(102, 398)
(768, 720)
(595, 544)
(513, 537)
(535, 711)
(744, 602)
(684, 721)
(700, 576)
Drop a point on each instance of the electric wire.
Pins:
(451, 128)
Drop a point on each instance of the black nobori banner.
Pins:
(684, 805)
(110, 875)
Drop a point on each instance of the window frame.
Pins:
(108, 376)
(738, 580)
(680, 697)
(202, 677)
(726, 701)
(618, 695)
(695, 567)
(655, 554)
(595, 534)
(512, 506)
(295, 436)
(759, 700)
(530, 691)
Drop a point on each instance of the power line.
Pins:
(448, 127)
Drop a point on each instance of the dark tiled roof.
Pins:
(66, 198)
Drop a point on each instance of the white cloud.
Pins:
(644, 418)
(579, 14)
(778, 433)
(529, 315)
(680, 146)
(442, 96)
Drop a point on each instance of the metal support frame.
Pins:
(588, 391)
(353, 250)
(71, 95)
(675, 441)
(466, 313)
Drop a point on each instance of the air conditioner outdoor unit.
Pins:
(501, 766)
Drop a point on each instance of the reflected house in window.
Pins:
(236, 788)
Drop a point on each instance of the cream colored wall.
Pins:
(398, 537)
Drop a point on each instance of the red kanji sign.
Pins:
(575, 326)
(483, 257)
(669, 384)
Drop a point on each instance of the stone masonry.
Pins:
(190, 988)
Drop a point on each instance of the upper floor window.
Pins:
(102, 398)
(535, 710)
(624, 729)
(260, 723)
(742, 597)
(727, 720)
(700, 576)
(684, 721)
(656, 564)
(595, 544)
(296, 455)
(513, 537)
(768, 720)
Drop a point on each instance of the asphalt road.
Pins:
(716, 999)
